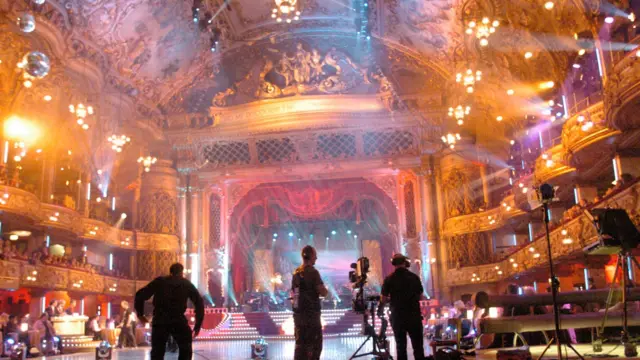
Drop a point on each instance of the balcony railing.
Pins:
(26, 204)
(568, 238)
(19, 274)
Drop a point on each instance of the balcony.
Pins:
(566, 240)
(26, 205)
(552, 164)
(20, 274)
(622, 92)
(583, 130)
(483, 221)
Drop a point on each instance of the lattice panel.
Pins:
(410, 209)
(229, 153)
(388, 143)
(336, 146)
(276, 150)
(159, 214)
(214, 222)
(469, 250)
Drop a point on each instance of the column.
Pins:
(485, 186)
(440, 257)
(585, 192)
(136, 200)
(626, 163)
(430, 228)
(86, 195)
(38, 298)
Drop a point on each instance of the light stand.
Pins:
(546, 194)
(380, 344)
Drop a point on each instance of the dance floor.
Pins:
(334, 349)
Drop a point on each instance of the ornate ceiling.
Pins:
(153, 52)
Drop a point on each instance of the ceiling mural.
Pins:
(153, 51)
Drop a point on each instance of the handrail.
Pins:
(17, 201)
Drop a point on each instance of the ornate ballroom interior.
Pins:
(229, 134)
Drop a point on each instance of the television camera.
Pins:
(369, 306)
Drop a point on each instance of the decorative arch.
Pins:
(308, 207)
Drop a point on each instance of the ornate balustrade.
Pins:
(621, 94)
(568, 239)
(552, 164)
(26, 204)
(584, 129)
(483, 221)
(18, 274)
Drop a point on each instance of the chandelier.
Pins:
(118, 141)
(459, 112)
(483, 29)
(285, 10)
(147, 162)
(450, 140)
(468, 79)
(81, 112)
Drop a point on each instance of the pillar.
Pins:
(430, 228)
(585, 192)
(485, 186)
(626, 163)
(158, 199)
(38, 298)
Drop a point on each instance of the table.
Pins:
(69, 325)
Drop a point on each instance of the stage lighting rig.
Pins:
(195, 10)
(215, 38)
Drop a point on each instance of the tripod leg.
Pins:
(355, 354)
(547, 348)
(607, 305)
(575, 351)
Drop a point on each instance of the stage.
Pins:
(334, 349)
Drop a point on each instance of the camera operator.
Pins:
(307, 288)
(403, 289)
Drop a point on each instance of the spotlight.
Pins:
(528, 55)
(609, 19)
(576, 66)
(290, 234)
(349, 232)
(548, 5)
(581, 52)
(333, 232)
(275, 235)
(510, 92)
(123, 216)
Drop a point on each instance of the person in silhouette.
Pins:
(403, 289)
(170, 295)
(307, 288)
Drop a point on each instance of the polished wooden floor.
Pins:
(334, 349)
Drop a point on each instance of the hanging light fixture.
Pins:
(459, 112)
(118, 141)
(286, 10)
(81, 112)
(451, 140)
(482, 29)
(147, 162)
(469, 79)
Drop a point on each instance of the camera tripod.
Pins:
(546, 194)
(622, 263)
(380, 344)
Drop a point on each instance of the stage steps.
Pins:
(263, 323)
(236, 327)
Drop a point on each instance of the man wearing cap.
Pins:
(307, 288)
(403, 290)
